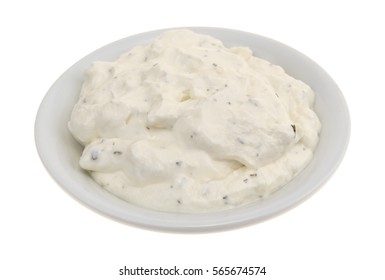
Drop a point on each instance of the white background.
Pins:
(337, 234)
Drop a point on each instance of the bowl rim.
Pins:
(44, 131)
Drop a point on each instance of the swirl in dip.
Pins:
(185, 124)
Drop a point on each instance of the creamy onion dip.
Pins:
(185, 124)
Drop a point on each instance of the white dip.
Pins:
(185, 124)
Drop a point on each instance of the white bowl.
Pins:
(60, 152)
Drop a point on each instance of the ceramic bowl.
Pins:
(60, 153)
